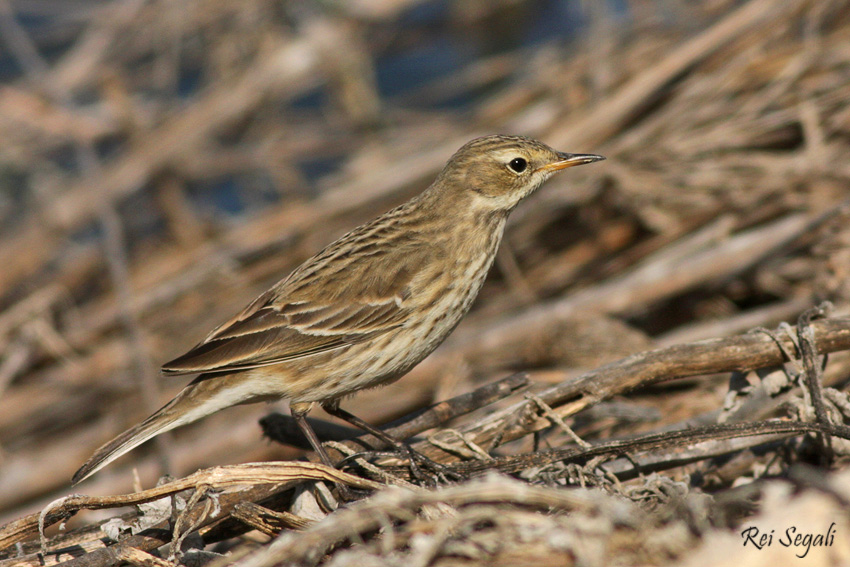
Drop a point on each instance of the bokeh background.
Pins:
(162, 162)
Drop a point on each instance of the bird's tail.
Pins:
(199, 399)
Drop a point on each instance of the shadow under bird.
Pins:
(365, 310)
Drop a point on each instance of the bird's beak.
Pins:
(570, 160)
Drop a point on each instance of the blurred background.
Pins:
(162, 162)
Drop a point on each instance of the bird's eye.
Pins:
(518, 165)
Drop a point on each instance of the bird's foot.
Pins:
(423, 469)
(418, 461)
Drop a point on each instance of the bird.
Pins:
(366, 309)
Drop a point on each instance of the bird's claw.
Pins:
(416, 463)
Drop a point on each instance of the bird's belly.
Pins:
(421, 336)
(388, 357)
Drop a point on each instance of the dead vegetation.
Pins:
(137, 128)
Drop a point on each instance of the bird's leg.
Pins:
(299, 413)
(413, 456)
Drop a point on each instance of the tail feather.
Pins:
(191, 404)
(127, 441)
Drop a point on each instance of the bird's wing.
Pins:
(322, 306)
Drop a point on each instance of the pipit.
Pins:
(366, 309)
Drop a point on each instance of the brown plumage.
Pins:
(366, 309)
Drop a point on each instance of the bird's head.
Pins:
(500, 171)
